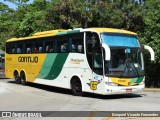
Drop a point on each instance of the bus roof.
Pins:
(112, 30)
(63, 31)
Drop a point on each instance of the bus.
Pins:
(2, 74)
(96, 60)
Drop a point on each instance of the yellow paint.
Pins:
(93, 85)
(31, 69)
(91, 115)
(74, 62)
(122, 81)
(54, 32)
(112, 30)
(38, 35)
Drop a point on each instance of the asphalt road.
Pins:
(34, 97)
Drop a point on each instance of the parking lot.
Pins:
(34, 97)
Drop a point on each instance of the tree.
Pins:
(152, 38)
(69, 14)
(7, 23)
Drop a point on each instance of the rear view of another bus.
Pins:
(2, 75)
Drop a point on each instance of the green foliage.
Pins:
(141, 16)
(152, 28)
(69, 14)
(151, 37)
(7, 24)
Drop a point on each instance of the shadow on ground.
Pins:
(89, 95)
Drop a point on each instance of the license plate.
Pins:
(128, 90)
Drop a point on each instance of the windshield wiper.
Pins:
(131, 62)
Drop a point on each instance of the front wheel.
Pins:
(76, 87)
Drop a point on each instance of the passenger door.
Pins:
(94, 57)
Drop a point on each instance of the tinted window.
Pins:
(62, 44)
(76, 43)
(92, 42)
(38, 46)
(28, 47)
(20, 47)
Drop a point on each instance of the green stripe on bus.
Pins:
(61, 33)
(54, 63)
(140, 79)
(73, 31)
(137, 80)
(47, 65)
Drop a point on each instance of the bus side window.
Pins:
(62, 44)
(63, 48)
(28, 47)
(28, 50)
(35, 50)
(76, 43)
(73, 48)
(11, 47)
(49, 45)
(20, 47)
(80, 48)
(18, 50)
(47, 49)
(38, 45)
(40, 49)
(13, 50)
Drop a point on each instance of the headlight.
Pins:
(141, 83)
(111, 84)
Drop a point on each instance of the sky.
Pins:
(11, 5)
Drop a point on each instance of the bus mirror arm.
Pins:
(107, 52)
(151, 52)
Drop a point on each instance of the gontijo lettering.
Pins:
(28, 59)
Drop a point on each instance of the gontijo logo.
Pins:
(28, 59)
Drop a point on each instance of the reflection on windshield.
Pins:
(125, 62)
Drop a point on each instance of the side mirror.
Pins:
(107, 52)
(151, 52)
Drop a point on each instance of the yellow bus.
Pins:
(96, 60)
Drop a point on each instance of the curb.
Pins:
(152, 90)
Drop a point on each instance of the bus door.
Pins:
(94, 57)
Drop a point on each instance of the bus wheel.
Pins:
(76, 87)
(23, 78)
(16, 78)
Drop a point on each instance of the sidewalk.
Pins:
(152, 90)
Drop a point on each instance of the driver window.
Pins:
(97, 63)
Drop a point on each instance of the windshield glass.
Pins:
(126, 56)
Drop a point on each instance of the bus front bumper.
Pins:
(124, 90)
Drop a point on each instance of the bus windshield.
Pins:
(126, 56)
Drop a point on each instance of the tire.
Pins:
(76, 87)
(17, 78)
(23, 78)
